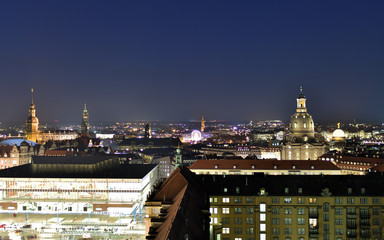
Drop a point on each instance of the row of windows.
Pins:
(338, 200)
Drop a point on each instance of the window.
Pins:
(276, 231)
(376, 200)
(326, 207)
(301, 231)
(351, 211)
(350, 200)
(301, 211)
(376, 221)
(249, 199)
(263, 236)
(262, 207)
(338, 200)
(339, 221)
(338, 211)
(287, 211)
(376, 211)
(225, 220)
(225, 211)
(301, 221)
(225, 189)
(339, 231)
(238, 230)
(312, 200)
(263, 227)
(326, 227)
(326, 217)
(287, 200)
(213, 210)
(363, 200)
(286, 190)
(237, 200)
(275, 221)
(249, 231)
(275, 200)
(262, 217)
(225, 200)
(287, 221)
(301, 200)
(376, 231)
(300, 190)
(249, 221)
(249, 210)
(238, 221)
(237, 190)
(275, 211)
(287, 231)
(238, 210)
(225, 230)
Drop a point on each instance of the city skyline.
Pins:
(179, 61)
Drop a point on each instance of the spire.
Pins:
(202, 128)
(301, 94)
(32, 96)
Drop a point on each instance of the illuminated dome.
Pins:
(196, 135)
(338, 135)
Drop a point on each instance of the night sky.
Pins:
(178, 60)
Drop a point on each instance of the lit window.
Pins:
(262, 207)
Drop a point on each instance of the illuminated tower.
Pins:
(178, 157)
(32, 123)
(301, 124)
(84, 122)
(148, 132)
(202, 124)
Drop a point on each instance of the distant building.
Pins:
(84, 121)
(15, 152)
(357, 165)
(272, 167)
(144, 143)
(302, 142)
(33, 133)
(78, 185)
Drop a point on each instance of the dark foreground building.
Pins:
(250, 207)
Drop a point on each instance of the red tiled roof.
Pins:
(266, 164)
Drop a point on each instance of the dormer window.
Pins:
(362, 190)
(312, 167)
(274, 167)
(253, 166)
(293, 167)
(349, 190)
(216, 166)
(234, 166)
(286, 190)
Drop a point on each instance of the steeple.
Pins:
(202, 124)
(32, 122)
(84, 122)
(147, 131)
(301, 102)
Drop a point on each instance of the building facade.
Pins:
(78, 185)
(295, 207)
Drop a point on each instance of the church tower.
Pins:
(32, 123)
(302, 126)
(84, 122)
(147, 131)
(202, 128)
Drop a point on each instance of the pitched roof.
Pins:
(264, 164)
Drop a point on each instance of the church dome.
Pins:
(338, 135)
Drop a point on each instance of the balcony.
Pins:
(351, 215)
(365, 215)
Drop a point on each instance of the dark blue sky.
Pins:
(177, 60)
